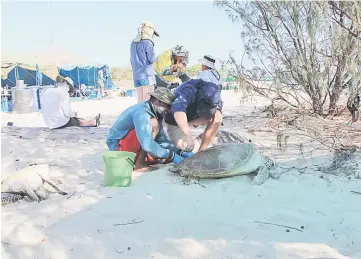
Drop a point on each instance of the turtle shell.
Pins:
(222, 161)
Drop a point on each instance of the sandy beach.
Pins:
(161, 216)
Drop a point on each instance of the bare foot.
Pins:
(144, 169)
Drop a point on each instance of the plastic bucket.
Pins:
(118, 168)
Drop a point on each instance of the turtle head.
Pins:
(174, 169)
(269, 163)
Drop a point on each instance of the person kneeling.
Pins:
(139, 129)
(56, 107)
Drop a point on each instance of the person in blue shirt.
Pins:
(142, 57)
(197, 102)
(139, 129)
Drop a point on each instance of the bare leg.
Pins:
(211, 130)
(143, 92)
(101, 87)
(140, 164)
(87, 123)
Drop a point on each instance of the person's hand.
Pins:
(180, 65)
(190, 143)
(174, 68)
(177, 159)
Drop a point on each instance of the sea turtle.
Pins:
(28, 182)
(227, 160)
(223, 136)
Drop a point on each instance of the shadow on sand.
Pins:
(160, 217)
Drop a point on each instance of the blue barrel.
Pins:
(4, 105)
(131, 93)
(10, 106)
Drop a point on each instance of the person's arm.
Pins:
(66, 105)
(176, 69)
(211, 130)
(170, 70)
(179, 107)
(149, 52)
(143, 130)
(184, 77)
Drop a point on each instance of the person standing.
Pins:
(208, 71)
(142, 57)
(101, 80)
(171, 67)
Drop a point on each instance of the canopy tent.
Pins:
(45, 57)
(28, 73)
(87, 75)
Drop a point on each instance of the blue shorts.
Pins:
(143, 82)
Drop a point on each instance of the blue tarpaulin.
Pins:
(26, 73)
(87, 75)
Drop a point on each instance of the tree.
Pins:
(121, 73)
(302, 47)
(194, 70)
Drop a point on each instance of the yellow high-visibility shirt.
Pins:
(163, 64)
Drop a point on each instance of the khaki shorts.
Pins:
(174, 133)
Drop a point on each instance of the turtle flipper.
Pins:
(58, 190)
(262, 175)
(276, 173)
(42, 192)
(31, 193)
(174, 169)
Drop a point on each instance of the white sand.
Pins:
(171, 219)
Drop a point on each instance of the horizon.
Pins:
(42, 27)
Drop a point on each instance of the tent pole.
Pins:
(78, 78)
(16, 73)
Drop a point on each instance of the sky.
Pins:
(102, 32)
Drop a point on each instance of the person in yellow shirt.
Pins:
(171, 67)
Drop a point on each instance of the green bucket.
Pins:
(118, 168)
